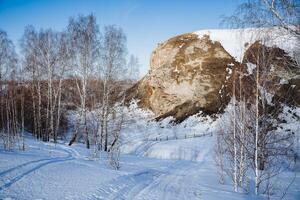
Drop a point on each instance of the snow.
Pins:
(234, 40)
(60, 172)
(165, 140)
(230, 64)
(265, 94)
(181, 167)
(283, 81)
(47, 172)
(291, 119)
(229, 72)
(250, 67)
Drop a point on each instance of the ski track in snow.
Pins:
(142, 148)
(150, 184)
(174, 184)
(14, 174)
(139, 178)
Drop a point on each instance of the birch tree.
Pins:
(63, 67)
(29, 49)
(114, 64)
(284, 14)
(84, 33)
(133, 68)
(252, 123)
(45, 58)
(262, 148)
(48, 60)
(271, 146)
(9, 126)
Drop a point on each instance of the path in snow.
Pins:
(174, 182)
(70, 173)
(16, 173)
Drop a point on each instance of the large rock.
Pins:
(191, 73)
(187, 74)
(278, 73)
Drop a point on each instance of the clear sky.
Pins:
(145, 22)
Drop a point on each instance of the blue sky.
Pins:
(146, 22)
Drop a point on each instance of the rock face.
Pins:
(191, 73)
(187, 74)
(278, 72)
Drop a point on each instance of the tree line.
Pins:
(80, 68)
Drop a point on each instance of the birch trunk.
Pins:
(256, 132)
(234, 137)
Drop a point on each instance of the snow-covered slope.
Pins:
(234, 40)
(47, 171)
(61, 172)
(193, 139)
(189, 140)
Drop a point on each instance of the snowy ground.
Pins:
(158, 161)
(60, 172)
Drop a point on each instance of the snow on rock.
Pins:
(290, 117)
(236, 41)
(250, 67)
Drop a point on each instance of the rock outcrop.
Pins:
(278, 73)
(189, 73)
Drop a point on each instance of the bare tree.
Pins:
(219, 153)
(117, 122)
(262, 148)
(30, 53)
(48, 60)
(284, 14)
(9, 125)
(133, 68)
(253, 123)
(271, 147)
(63, 67)
(113, 66)
(84, 35)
